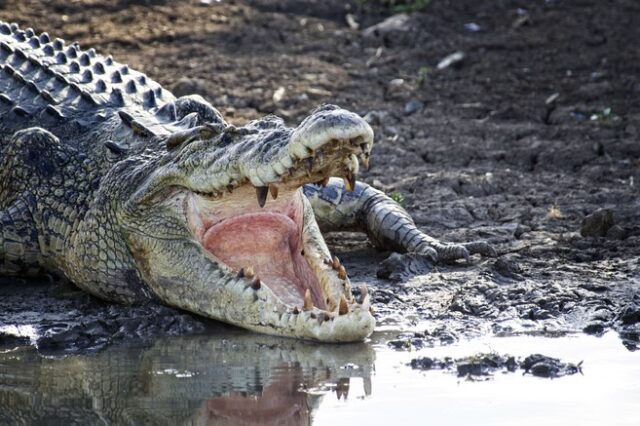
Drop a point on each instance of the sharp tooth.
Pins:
(365, 162)
(343, 309)
(273, 189)
(350, 181)
(308, 303)
(342, 273)
(249, 273)
(335, 263)
(256, 284)
(261, 193)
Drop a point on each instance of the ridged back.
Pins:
(47, 82)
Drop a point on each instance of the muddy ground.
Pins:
(528, 138)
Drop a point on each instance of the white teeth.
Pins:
(255, 180)
(308, 303)
(286, 162)
(278, 168)
(352, 164)
(343, 308)
(365, 162)
(298, 150)
(267, 174)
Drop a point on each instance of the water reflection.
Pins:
(240, 379)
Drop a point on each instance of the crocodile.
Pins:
(109, 181)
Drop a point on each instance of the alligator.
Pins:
(111, 182)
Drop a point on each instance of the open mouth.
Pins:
(264, 233)
(263, 242)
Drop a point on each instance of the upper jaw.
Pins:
(327, 143)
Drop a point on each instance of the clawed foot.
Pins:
(452, 252)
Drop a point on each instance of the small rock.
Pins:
(455, 59)
(617, 232)
(400, 344)
(597, 223)
(596, 328)
(317, 92)
(472, 27)
(544, 366)
(424, 363)
(508, 268)
(375, 117)
(551, 99)
(396, 30)
(351, 21)
(413, 106)
(189, 86)
(278, 94)
(596, 90)
(630, 315)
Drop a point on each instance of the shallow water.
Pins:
(239, 378)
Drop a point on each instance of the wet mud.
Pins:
(512, 122)
(484, 366)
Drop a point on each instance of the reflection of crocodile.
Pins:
(230, 379)
(108, 179)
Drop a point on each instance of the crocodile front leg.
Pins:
(19, 250)
(387, 224)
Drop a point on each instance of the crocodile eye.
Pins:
(183, 137)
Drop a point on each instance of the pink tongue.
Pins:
(270, 244)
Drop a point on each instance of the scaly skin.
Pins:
(109, 180)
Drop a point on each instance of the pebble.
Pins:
(472, 27)
(597, 223)
(413, 106)
(454, 59)
(189, 86)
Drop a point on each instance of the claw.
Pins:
(481, 247)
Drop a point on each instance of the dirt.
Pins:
(515, 122)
